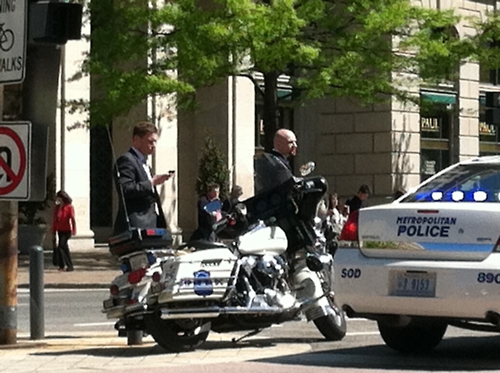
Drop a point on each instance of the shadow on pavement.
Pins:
(452, 354)
(461, 354)
(120, 349)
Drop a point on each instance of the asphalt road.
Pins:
(76, 310)
(362, 350)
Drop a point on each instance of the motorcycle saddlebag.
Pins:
(139, 239)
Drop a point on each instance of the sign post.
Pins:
(13, 26)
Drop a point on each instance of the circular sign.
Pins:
(16, 177)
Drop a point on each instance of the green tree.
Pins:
(212, 169)
(366, 49)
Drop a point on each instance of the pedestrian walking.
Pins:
(64, 226)
(358, 200)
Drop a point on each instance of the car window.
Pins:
(464, 183)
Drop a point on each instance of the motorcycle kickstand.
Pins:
(252, 333)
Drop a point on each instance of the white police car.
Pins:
(428, 260)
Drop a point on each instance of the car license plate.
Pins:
(138, 262)
(413, 284)
(156, 287)
(108, 303)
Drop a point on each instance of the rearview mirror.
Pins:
(241, 208)
(307, 168)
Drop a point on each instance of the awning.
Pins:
(285, 94)
(439, 97)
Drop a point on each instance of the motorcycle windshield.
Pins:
(270, 172)
(273, 183)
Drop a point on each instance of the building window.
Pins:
(435, 124)
(489, 137)
(489, 76)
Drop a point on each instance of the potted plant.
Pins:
(32, 222)
(212, 168)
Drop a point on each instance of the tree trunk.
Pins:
(271, 111)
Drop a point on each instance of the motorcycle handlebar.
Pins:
(221, 224)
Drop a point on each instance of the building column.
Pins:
(72, 143)
(467, 137)
(226, 112)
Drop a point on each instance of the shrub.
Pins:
(212, 169)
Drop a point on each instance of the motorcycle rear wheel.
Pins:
(333, 326)
(176, 335)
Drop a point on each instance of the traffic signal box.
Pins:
(493, 108)
(54, 22)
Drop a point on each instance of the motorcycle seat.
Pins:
(202, 245)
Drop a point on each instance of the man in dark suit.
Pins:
(135, 184)
(273, 168)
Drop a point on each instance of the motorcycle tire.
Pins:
(332, 327)
(176, 335)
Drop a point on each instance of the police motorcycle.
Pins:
(140, 253)
(269, 268)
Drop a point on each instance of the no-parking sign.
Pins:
(15, 141)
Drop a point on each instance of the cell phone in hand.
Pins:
(170, 173)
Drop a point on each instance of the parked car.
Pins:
(427, 260)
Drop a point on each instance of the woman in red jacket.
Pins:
(63, 223)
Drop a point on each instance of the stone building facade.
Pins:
(386, 146)
(397, 146)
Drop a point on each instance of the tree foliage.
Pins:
(365, 49)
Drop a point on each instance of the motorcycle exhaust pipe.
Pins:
(213, 312)
(204, 313)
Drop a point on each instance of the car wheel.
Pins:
(413, 338)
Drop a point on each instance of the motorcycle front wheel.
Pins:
(332, 326)
(177, 335)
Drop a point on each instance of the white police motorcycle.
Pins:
(271, 267)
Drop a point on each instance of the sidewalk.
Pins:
(93, 269)
(108, 353)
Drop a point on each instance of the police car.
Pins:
(427, 260)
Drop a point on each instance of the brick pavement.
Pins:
(105, 352)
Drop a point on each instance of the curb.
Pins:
(69, 286)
